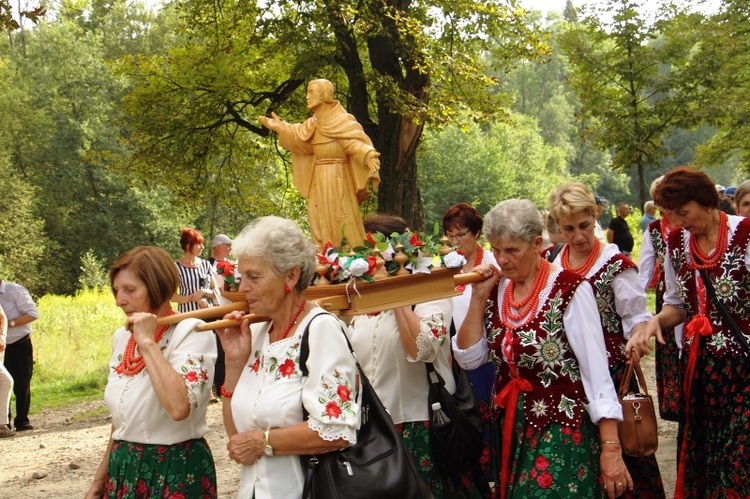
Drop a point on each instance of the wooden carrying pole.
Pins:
(348, 299)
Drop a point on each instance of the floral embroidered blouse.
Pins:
(271, 392)
(400, 380)
(137, 414)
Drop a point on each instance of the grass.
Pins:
(72, 344)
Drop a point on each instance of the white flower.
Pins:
(358, 266)
(422, 266)
(332, 256)
(539, 408)
(388, 253)
(454, 259)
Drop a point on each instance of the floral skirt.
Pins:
(555, 461)
(416, 436)
(179, 471)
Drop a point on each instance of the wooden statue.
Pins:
(333, 160)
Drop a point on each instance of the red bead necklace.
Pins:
(529, 304)
(722, 240)
(130, 365)
(294, 319)
(583, 270)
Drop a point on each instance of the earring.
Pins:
(287, 289)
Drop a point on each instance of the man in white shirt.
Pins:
(20, 310)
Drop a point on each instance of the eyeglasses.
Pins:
(457, 237)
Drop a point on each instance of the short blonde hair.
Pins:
(654, 185)
(281, 243)
(571, 199)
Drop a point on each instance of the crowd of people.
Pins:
(543, 372)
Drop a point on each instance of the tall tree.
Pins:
(635, 79)
(396, 64)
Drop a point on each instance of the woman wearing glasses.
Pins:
(463, 226)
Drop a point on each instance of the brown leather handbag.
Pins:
(637, 430)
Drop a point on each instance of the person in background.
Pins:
(713, 457)
(265, 395)
(619, 297)
(21, 311)
(462, 224)
(725, 204)
(552, 386)
(198, 287)
(6, 381)
(729, 193)
(618, 231)
(598, 232)
(221, 248)
(393, 346)
(649, 215)
(742, 199)
(157, 391)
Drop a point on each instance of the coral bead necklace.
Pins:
(583, 270)
(529, 304)
(291, 323)
(130, 365)
(722, 240)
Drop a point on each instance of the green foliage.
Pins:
(72, 346)
(94, 274)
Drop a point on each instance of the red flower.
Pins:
(567, 430)
(225, 268)
(191, 376)
(372, 265)
(141, 489)
(287, 368)
(256, 364)
(541, 463)
(344, 393)
(577, 437)
(333, 410)
(177, 495)
(414, 241)
(370, 240)
(544, 480)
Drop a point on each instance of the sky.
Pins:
(559, 5)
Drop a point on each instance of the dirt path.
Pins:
(67, 453)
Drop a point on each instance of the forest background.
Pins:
(121, 122)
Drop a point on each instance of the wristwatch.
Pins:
(267, 449)
(12, 323)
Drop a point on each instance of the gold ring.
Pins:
(619, 484)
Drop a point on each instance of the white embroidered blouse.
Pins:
(137, 414)
(271, 392)
(399, 380)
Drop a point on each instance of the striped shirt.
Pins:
(191, 280)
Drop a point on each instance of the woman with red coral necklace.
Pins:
(619, 295)
(713, 451)
(158, 390)
(264, 392)
(552, 386)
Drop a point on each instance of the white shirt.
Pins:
(137, 414)
(271, 391)
(399, 380)
(461, 302)
(630, 298)
(16, 301)
(586, 339)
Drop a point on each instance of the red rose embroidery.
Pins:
(541, 463)
(544, 480)
(256, 364)
(344, 393)
(333, 410)
(140, 488)
(191, 376)
(287, 368)
(567, 430)
(177, 495)
(577, 437)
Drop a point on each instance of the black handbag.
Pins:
(458, 443)
(377, 466)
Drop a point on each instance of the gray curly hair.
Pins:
(513, 219)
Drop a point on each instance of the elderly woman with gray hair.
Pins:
(532, 319)
(265, 394)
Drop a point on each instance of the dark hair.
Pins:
(463, 215)
(154, 267)
(682, 185)
(189, 237)
(385, 224)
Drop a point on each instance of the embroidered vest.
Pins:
(660, 248)
(614, 340)
(542, 356)
(730, 279)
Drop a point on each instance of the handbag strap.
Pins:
(634, 365)
(725, 315)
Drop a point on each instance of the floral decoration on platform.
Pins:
(422, 252)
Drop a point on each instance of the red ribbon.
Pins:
(698, 326)
(508, 400)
